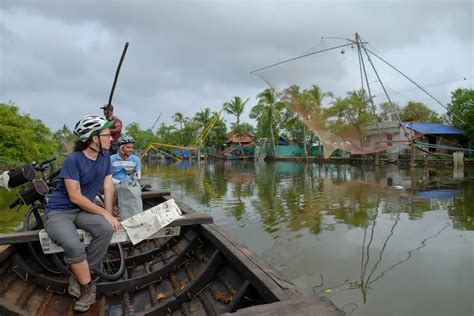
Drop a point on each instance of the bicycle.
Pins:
(35, 196)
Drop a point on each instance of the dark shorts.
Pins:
(114, 147)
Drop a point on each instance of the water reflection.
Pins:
(299, 195)
(369, 238)
(369, 264)
(361, 236)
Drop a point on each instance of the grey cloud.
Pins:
(185, 55)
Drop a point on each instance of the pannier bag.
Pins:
(20, 175)
(35, 191)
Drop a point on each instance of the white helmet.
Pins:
(89, 124)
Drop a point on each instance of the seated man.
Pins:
(124, 162)
(84, 173)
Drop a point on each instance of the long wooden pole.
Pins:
(117, 72)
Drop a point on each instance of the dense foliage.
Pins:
(461, 112)
(287, 115)
(418, 112)
(22, 138)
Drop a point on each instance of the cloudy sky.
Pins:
(58, 58)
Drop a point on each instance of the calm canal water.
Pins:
(383, 241)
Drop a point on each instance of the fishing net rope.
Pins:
(337, 88)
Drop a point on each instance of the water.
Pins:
(384, 241)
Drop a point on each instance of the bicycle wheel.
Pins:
(113, 264)
(51, 263)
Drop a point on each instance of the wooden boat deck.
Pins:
(202, 272)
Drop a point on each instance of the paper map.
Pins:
(147, 225)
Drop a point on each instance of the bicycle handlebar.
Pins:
(43, 165)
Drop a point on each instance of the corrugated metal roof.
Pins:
(433, 128)
(437, 194)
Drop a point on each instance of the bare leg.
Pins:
(81, 271)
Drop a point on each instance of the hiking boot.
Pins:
(74, 288)
(87, 298)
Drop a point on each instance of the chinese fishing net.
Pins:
(337, 89)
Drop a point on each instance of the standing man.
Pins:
(84, 172)
(115, 129)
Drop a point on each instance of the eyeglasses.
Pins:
(105, 135)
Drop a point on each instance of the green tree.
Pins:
(267, 113)
(64, 139)
(307, 105)
(235, 107)
(293, 126)
(352, 115)
(164, 134)
(218, 134)
(22, 138)
(179, 118)
(299, 103)
(388, 112)
(189, 134)
(418, 112)
(241, 130)
(461, 112)
(142, 137)
(317, 98)
(203, 117)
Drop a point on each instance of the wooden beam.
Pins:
(154, 194)
(312, 305)
(32, 235)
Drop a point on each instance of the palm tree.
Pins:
(300, 103)
(178, 117)
(235, 107)
(316, 102)
(317, 97)
(267, 111)
(203, 117)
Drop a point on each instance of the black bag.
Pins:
(20, 175)
(35, 191)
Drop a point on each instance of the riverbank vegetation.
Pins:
(26, 139)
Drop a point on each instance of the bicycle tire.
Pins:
(113, 265)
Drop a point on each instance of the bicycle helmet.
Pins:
(126, 139)
(90, 124)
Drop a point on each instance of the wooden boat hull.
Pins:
(201, 272)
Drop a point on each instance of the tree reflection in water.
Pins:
(383, 211)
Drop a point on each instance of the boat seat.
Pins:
(33, 235)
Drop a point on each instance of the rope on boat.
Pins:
(201, 290)
(24, 278)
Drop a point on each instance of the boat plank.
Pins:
(242, 257)
(32, 235)
(154, 194)
(251, 267)
(304, 306)
(5, 252)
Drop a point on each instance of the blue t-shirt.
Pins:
(121, 168)
(89, 173)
